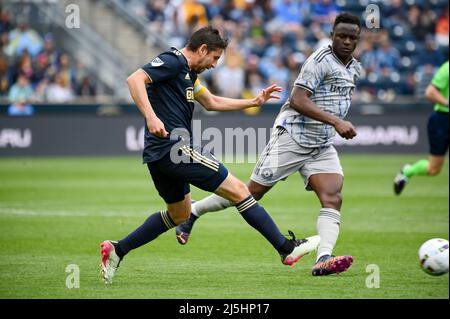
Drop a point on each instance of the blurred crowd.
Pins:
(271, 39)
(33, 69)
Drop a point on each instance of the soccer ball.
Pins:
(433, 256)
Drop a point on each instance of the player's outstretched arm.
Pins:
(301, 102)
(213, 102)
(136, 84)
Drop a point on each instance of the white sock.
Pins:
(328, 230)
(212, 203)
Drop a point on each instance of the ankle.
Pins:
(287, 247)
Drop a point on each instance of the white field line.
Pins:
(65, 213)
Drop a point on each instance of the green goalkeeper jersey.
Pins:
(440, 81)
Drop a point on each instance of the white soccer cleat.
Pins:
(110, 260)
(302, 247)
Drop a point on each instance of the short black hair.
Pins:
(347, 18)
(209, 36)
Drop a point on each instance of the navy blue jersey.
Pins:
(171, 95)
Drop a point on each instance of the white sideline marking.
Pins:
(62, 213)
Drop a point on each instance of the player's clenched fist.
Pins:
(156, 127)
(345, 129)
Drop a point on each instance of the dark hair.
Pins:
(208, 36)
(347, 18)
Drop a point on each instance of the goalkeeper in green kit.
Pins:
(438, 134)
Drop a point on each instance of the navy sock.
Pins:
(155, 225)
(257, 217)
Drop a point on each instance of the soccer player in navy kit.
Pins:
(164, 90)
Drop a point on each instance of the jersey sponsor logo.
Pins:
(343, 91)
(157, 62)
(190, 94)
(187, 77)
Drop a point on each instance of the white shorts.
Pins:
(282, 157)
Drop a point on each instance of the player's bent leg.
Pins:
(233, 190)
(290, 250)
(185, 224)
(213, 203)
(179, 212)
(328, 189)
(113, 252)
(257, 190)
(435, 164)
(438, 139)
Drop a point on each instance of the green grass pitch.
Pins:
(56, 212)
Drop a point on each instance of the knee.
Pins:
(179, 217)
(331, 200)
(240, 193)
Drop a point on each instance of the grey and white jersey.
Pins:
(332, 85)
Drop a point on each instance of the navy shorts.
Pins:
(438, 137)
(173, 173)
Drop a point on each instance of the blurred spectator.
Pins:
(291, 11)
(386, 57)
(421, 21)
(66, 70)
(278, 73)
(442, 29)
(322, 40)
(42, 69)
(431, 54)
(324, 12)
(424, 76)
(5, 21)
(24, 67)
(214, 9)
(4, 80)
(59, 90)
(194, 14)
(86, 88)
(230, 77)
(49, 50)
(395, 13)
(294, 63)
(4, 43)
(155, 10)
(408, 87)
(368, 56)
(255, 85)
(19, 95)
(23, 38)
(275, 48)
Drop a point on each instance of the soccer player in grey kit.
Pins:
(302, 141)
